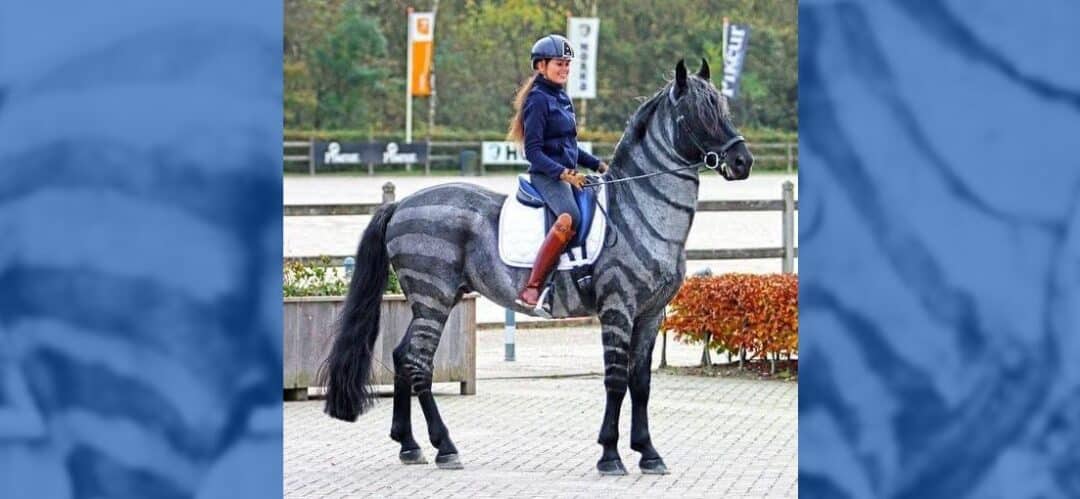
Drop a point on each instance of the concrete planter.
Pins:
(309, 330)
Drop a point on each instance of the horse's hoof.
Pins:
(611, 468)
(412, 456)
(653, 467)
(448, 462)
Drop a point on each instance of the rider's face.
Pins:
(555, 70)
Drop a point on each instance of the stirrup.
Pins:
(539, 309)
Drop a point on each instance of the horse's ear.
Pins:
(704, 71)
(680, 76)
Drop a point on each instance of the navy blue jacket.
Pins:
(551, 131)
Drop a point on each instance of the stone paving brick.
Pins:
(536, 437)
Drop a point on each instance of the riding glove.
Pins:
(573, 178)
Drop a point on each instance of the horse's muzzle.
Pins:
(737, 164)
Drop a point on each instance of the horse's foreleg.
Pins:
(616, 338)
(644, 338)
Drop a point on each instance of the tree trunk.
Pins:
(706, 361)
(663, 350)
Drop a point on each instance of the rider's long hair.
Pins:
(516, 133)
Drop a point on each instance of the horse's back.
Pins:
(439, 221)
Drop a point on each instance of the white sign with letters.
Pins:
(333, 155)
(392, 156)
(507, 153)
(583, 33)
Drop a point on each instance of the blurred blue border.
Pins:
(140, 249)
(940, 247)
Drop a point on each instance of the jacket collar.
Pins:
(547, 86)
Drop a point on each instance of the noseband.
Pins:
(711, 159)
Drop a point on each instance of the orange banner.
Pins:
(422, 45)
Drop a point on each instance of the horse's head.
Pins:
(703, 129)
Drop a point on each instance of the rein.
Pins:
(599, 183)
(709, 159)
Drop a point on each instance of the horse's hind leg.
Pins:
(401, 428)
(425, 330)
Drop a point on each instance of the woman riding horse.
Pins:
(544, 121)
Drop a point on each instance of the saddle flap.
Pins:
(522, 228)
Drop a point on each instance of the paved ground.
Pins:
(525, 435)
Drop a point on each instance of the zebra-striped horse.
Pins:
(442, 242)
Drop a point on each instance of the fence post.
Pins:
(350, 266)
(311, 155)
(427, 162)
(508, 341)
(788, 227)
(388, 192)
(790, 157)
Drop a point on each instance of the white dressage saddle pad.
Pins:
(521, 232)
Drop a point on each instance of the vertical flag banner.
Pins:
(583, 33)
(422, 41)
(738, 38)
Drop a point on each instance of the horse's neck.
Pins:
(664, 204)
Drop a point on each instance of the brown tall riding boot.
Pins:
(557, 239)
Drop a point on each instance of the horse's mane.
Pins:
(712, 108)
(639, 121)
(711, 114)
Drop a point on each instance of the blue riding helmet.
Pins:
(552, 47)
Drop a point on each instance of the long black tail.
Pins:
(347, 371)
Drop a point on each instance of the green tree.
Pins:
(346, 71)
(339, 75)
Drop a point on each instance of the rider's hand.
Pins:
(573, 178)
(602, 169)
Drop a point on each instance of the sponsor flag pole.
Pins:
(723, 45)
(408, 79)
(431, 99)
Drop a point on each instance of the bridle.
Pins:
(712, 159)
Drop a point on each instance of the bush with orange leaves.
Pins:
(756, 314)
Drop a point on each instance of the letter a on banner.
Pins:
(422, 42)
